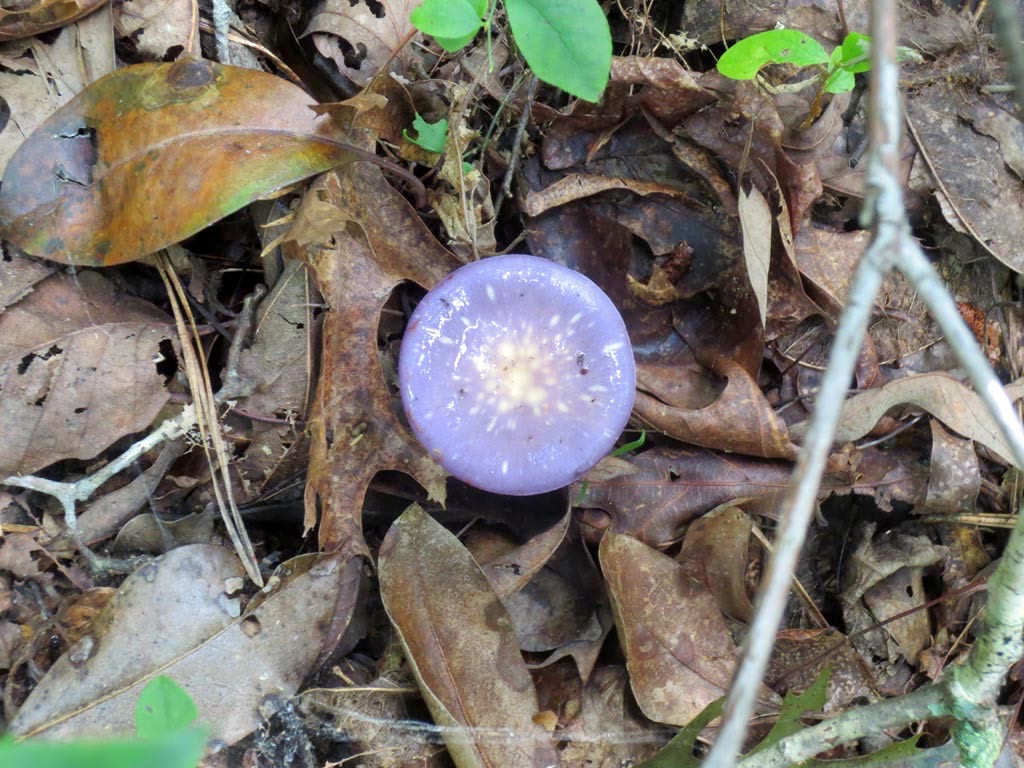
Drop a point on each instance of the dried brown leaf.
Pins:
(78, 370)
(950, 401)
(460, 642)
(715, 552)
(740, 420)
(174, 617)
(353, 428)
(679, 652)
(376, 37)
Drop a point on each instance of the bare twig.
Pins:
(969, 692)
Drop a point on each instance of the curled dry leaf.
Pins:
(740, 420)
(42, 16)
(679, 652)
(956, 406)
(174, 617)
(152, 153)
(715, 552)
(459, 640)
(79, 368)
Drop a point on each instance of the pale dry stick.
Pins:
(890, 245)
(70, 494)
(886, 201)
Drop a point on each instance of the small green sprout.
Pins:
(165, 738)
(429, 136)
(789, 46)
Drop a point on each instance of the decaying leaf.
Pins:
(715, 552)
(375, 36)
(459, 640)
(354, 430)
(756, 222)
(176, 617)
(79, 368)
(32, 18)
(153, 153)
(959, 408)
(739, 420)
(679, 652)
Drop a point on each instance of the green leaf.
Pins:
(567, 43)
(678, 753)
(775, 46)
(839, 80)
(430, 136)
(856, 53)
(176, 750)
(163, 707)
(453, 23)
(622, 450)
(793, 708)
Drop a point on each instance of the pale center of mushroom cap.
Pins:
(521, 372)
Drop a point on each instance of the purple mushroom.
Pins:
(517, 374)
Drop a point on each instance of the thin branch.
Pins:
(922, 704)
(885, 211)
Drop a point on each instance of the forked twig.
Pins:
(969, 692)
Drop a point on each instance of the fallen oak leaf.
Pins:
(354, 430)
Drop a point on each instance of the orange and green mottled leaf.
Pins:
(152, 153)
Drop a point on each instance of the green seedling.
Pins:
(746, 57)
(165, 737)
(429, 136)
(566, 43)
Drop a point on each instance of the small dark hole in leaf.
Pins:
(672, 474)
(167, 361)
(5, 113)
(172, 53)
(910, 591)
(41, 400)
(376, 8)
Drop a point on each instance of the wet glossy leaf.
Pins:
(155, 152)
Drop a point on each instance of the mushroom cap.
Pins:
(517, 374)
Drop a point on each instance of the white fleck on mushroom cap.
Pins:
(517, 374)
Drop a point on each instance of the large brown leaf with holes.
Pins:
(355, 431)
(78, 370)
(461, 645)
(152, 153)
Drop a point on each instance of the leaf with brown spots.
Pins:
(152, 153)
(354, 428)
(460, 642)
(679, 652)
